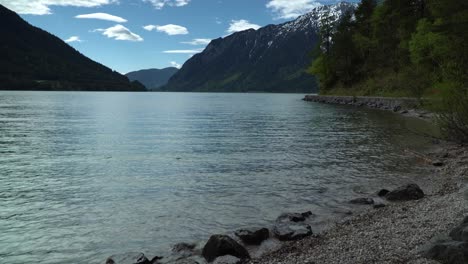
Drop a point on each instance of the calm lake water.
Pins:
(87, 175)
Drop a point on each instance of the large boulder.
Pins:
(449, 252)
(253, 236)
(131, 258)
(405, 193)
(291, 226)
(221, 245)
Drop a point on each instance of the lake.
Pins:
(87, 175)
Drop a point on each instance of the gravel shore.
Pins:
(396, 233)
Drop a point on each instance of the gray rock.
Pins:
(365, 201)
(291, 226)
(294, 217)
(221, 245)
(382, 192)
(379, 205)
(253, 236)
(131, 258)
(183, 247)
(227, 260)
(291, 231)
(405, 193)
(460, 233)
(449, 252)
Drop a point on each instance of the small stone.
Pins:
(379, 205)
(364, 201)
(129, 258)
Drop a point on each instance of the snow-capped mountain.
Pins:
(272, 58)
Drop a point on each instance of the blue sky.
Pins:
(128, 35)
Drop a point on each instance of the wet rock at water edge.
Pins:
(449, 252)
(460, 233)
(382, 192)
(221, 245)
(378, 205)
(183, 247)
(294, 217)
(364, 201)
(131, 258)
(405, 193)
(253, 236)
(291, 226)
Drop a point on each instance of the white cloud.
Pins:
(169, 29)
(240, 25)
(102, 16)
(159, 4)
(287, 9)
(73, 39)
(120, 32)
(198, 41)
(42, 7)
(175, 64)
(183, 51)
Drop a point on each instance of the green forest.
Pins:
(412, 48)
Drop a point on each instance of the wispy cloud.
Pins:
(183, 51)
(197, 42)
(169, 29)
(175, 64)
(42, 7)
(287, 9)
(119, 32)
(159, 4)
(102, 16)
(73, 39)
(240, 25)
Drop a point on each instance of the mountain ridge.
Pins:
(153, 78)
(33, 59)
(270, 59)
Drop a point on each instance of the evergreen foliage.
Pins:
(415, 48)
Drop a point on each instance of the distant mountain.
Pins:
(270, 59)
(33, 59)
(152, 78)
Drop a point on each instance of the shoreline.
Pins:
(406, 106)
(401, 232)
(393, 232)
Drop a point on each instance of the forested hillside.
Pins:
(402, 47)
(415, 48)
(33, 59)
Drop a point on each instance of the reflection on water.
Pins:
(87, 175)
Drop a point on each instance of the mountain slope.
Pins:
(33, 59)
(271, 59)
(152, 78)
